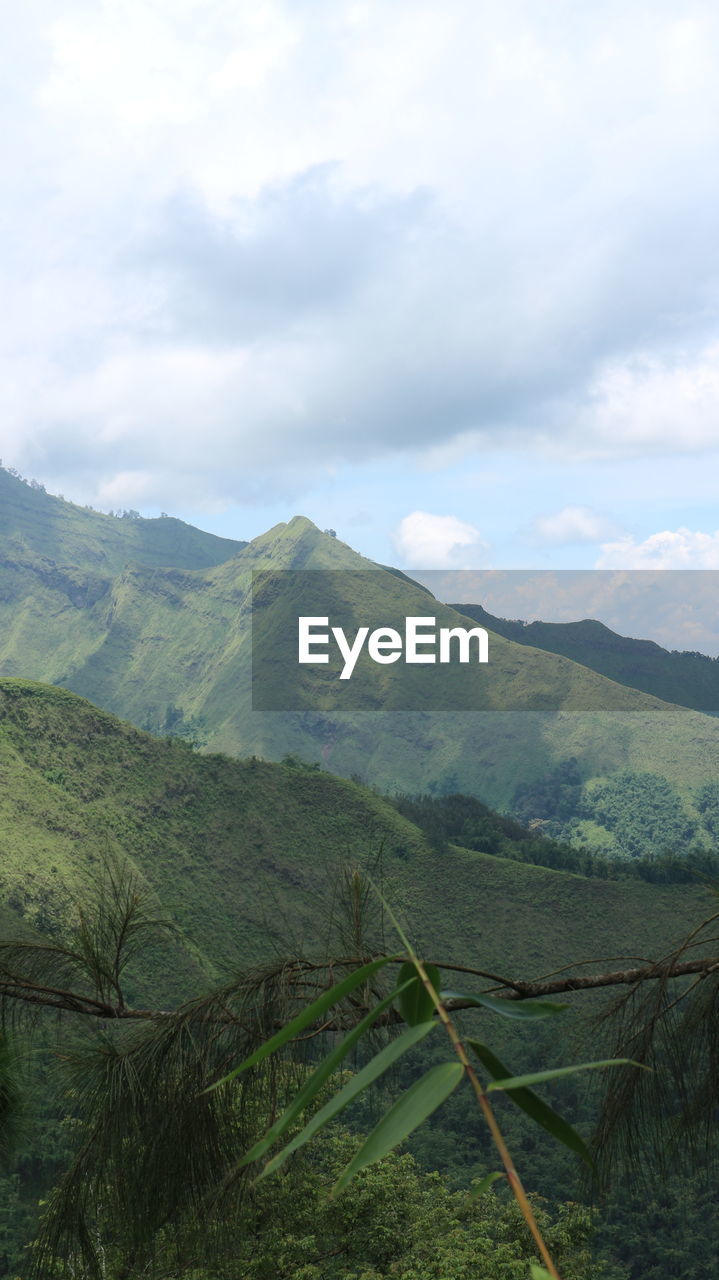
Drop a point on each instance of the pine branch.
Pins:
(14, 987)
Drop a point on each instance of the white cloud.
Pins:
(571, 525)
(428, 541)
(667, 404)
(379, 276)
(670, 549)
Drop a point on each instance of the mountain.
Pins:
(686, 679)
(243, 855)
(170, 647)
(53, 533)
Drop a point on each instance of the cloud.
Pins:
(300, 252)
(437, 542)
(670, 549)
(243, 243)
(648, 404)
(573, 525)
(675, 609)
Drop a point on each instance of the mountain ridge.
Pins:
(169, 647)
(242, 854)
(684, 678)
(62, 532)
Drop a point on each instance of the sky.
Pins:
(444, 278)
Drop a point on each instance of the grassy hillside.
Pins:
(169, 647)
(51, 529)
(686, 679)
(243, 854)
(58, 564)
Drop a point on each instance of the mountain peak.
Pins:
(300, 544)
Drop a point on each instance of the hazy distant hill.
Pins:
(169, 648)
(243, 854)
(687, 679)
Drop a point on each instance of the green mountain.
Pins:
(687, 679)
(169, 647)
(52, 530)
(244, 854)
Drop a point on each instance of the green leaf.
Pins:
(404, 1117)
(359, 1082)
(416, 1004)
(508, 1008)
(538, 1077)
(306, 1017)
(539, 1273)
(312, 1086)
(479, 1188)
(538, 1110)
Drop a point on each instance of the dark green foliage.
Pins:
(464, 820)
(708, 806)
(415, 1003)
(646, 809)
(687, 679)
(663, 1231)
(532, 1105)
(555, 796)
(10, 1100)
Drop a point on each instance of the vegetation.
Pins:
(156, 1184)
(234, 849)
(218, 915)
(53, 533)
(687, 679)
(464, 820)
(150, 620)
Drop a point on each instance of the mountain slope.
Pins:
(47, 528)
(243, 854)
(170, 648)
(686, 679)
(182, 640)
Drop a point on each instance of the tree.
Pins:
(158, 1144)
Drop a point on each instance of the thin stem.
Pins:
(513, 1177)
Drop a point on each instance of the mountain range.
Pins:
(687, 679)
(152, 620)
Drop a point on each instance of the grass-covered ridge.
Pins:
(49, 528)
(243, 854)
(687, 679)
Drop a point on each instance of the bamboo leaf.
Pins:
(312, 1086)
(404, 1117)
(359, 1082)
(306, 1017)
(535, 1107)
(479, 1188)
(416, 1004)
(538, 1077)
(508, 1008)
